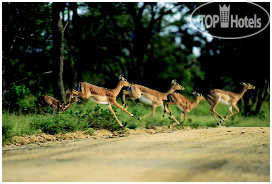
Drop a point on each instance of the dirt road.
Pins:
(214, 154)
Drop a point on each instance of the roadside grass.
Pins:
(89, 116)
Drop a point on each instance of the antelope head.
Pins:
(176, 86)
(247, 85)
(124, 81)
(74, 97)
(198, 95)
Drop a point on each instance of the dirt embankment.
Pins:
(214, 154)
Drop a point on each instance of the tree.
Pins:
(58, 48)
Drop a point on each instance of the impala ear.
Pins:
(253, 87)
(194, 93)
(174, 81)
(121, 76)
(242, 83)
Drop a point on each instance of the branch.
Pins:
(25, 78)
(65, 26)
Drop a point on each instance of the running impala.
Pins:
(102, 95)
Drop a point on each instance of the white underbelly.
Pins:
(100, 99)
(145, 100)
(223, 101)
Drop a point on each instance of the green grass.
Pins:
(88, 116)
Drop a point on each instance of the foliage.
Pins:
(88, 116)
(89, 131)
(145, 41)
(6, 133)
(103, 40)
(132, 125)
(15, 98)
(58, 124)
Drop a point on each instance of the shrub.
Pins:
(152, 123)
(211, 124)
(89, 131)
(15, 93)
(262, 115)
(59, 124)
(132, 125)
(103, 118)
(6, 133)
(194, 125)
(27, 104)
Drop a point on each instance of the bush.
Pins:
(89, 131)
(132, 125)
(194, 125)
(27, 104)
(6, 133)
(211, 124)
(103, 118)
(15, 94)
(59, 124)
(263, 115)
(153, 122)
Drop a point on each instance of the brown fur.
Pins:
(68, 105)
(183, 103)
(153, 96)
(102, 95)
(48, 101)
(216, 96)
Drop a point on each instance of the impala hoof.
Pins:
(131, 115)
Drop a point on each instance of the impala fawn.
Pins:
(48, 101)
(182, 103)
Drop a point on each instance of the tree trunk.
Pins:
(263, 92)
(58, 50)
(76, 32)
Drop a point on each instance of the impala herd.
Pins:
(149, 96)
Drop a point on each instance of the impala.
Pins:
(228, 98)
(149, 96)
(102, 95)
(48, 101)
(182, 103)
(68, 105)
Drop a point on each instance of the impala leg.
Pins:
(185, 116)
(233, 113)
(121, 107)
(216, 113)
(163, 109)
(168, 110)
(125, 93)
(215, 117)
(112, 111)
(180, 115)
(213, 113)
(79, 94)
(150, 114)
(153, 110)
